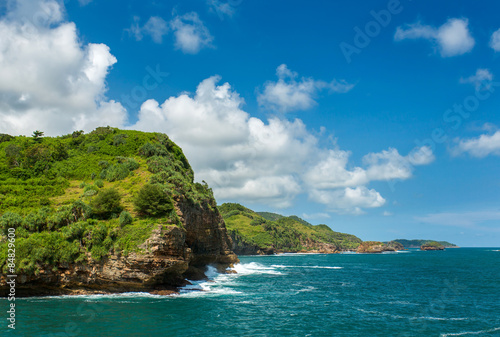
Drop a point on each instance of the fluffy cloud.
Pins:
(452, 38)
(495, 40)
(247, 159)
(332, 172)
(48, 79)
(480, 147)
(190, 33)
(155, 27)
(288, 94)
(330, 182)
(481, 79)
(244, 158)
(240, 156)
(348, 200)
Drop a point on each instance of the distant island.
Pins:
(417, 243)
(433, 245)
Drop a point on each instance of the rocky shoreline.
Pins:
(169, 257)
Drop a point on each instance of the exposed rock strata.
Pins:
(374, 247)
(169, 256)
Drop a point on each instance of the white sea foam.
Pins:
(255, 268)
(221, 284)
(378, 313)
(470, 332)
(98, 296)
(310, 288)
(313, 267)
(430, 318)
(298, 254)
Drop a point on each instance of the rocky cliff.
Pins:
(374, 247)
(165, 261)
(433, 245)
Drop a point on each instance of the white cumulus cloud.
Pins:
(480, 147)
(332, 171)
(241, 157)
(495, 40)
(340, 188)
(48, 79)
(348, 200)
(190, 33)
(290, 93)
(270, 162)
(452, 38)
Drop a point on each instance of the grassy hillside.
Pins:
(82, 195)
(292, 234)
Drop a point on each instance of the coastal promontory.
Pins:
(109, 211)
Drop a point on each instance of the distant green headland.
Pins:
(267, 233)
(418, 243)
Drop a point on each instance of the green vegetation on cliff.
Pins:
(83, 196)
(267, 232)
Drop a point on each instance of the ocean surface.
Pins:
(445, 293)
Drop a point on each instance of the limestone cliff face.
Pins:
(206, 234)
(374, 247)
(319, 247)
(424, 247)
(242, 247)
(169, 256)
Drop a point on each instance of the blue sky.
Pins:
(378, 118)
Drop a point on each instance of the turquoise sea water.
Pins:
(446, 293)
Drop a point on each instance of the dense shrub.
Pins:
(125, 218)
(120, 170)
(37, 222)
(10, 220)
(152, 200)
(150, 150)
(99, 243)
(106, 203)
(99, 183)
